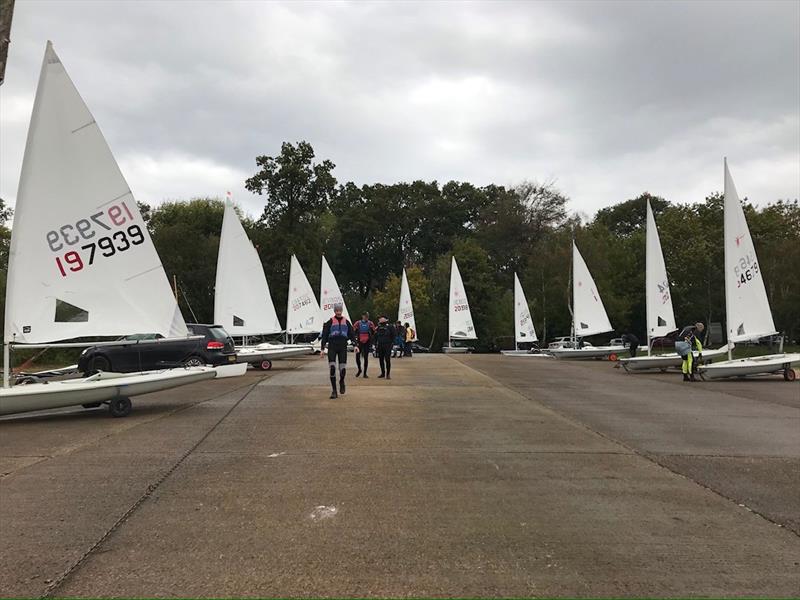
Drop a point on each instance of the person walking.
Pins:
(384, 338)
(689, 341)
(410, 335)
(336, 332)
(630, 340)
(364, 332)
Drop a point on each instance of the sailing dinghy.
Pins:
(747, 311)
(460, 325)
(82, 263)
(524, 331)
(329, 294)
(405, 311)
(660, 314)
(242, 300)
(302, 310)
(589, 316)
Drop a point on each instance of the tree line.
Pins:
(369, 233)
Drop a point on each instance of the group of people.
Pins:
(337, 332)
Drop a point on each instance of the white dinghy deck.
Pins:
(666, 361)
(589, 352)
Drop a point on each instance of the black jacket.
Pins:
(384, 334)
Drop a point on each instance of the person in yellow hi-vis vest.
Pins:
(688, 341)
(410, 335)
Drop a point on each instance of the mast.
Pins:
(725, 234)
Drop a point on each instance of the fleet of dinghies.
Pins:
(242, 300)
(82, 263)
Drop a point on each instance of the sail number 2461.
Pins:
(105, 233)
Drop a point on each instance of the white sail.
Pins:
(747, 307)
(329, 293)
(589, 314)
(523, 323)
(460, 322)
(660, 316)
(405, 312)
(242, 302)
(82, 263)
(302, 311)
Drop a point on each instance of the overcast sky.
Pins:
(606, 99)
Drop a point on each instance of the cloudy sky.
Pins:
(606, 99)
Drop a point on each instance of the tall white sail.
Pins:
(242, 302)
(329, 293)
(405, 312)
(589, 314)
(747, 307)
(302, 311)
(82, 263)
(523, 323)
(460, 322)
(660, 316)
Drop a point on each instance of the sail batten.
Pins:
(69, 244)
(242, 300)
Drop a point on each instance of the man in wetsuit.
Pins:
(632, 342)
(688, 341)
(364, 331)
(335, 334)
(384, 339)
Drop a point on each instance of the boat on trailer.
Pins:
(747, 310)
(459, 322)
(670, 360)
(589, 317)
(82, 264)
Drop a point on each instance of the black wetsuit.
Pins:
(335, 334)
(632, 341)
(364, 331)
(384, 340)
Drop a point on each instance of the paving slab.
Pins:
(429, 486)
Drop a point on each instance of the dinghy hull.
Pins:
(757, 365)
(588, 352)
(665, 361)
(98, 388)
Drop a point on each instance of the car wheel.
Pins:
(99, 363)
(193, 361)
(120, 407)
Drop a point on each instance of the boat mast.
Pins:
(725, 235)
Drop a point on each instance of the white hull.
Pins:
(525, 353)
(101, 387)
(665, 361)
(256, 354)
(588, 352)
(757, 365)
(455, 350)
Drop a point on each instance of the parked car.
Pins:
(149, 351)
(419, 348)
(617, 342)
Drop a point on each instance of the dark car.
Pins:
(207, 345)
(419, 348)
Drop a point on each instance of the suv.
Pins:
(150, 351)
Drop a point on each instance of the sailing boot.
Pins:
(334, 395)
(686, 377)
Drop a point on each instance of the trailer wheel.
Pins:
(789, 374)
(613, 357)
(266, 365)
(120, 406)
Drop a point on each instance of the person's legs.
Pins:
(388, 366)
(685, 368)
(633, 350)
(332, 370)
(342, 357)
(382, 360)
(358, 362)
(364, 352)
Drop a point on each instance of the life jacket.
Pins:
(364, 329)
(339, 328)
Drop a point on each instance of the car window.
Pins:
(218, 333)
